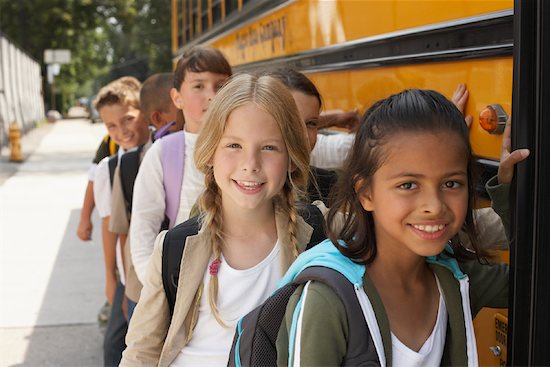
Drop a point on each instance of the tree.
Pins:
(105, 38)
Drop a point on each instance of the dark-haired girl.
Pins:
(408, 191)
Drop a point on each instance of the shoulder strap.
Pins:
(129, 166)
(113, 162)
(360, 344)
(173, 161)
(313, 216)
(172, 253)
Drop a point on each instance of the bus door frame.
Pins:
(529, 308)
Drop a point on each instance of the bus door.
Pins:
(529, 309)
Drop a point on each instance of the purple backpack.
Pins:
(172, 159)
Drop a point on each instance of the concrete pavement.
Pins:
(51, 283)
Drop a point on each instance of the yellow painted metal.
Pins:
(488, 81)
(309, 24)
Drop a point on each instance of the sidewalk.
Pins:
(51, 283)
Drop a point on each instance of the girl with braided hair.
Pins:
(254, 153)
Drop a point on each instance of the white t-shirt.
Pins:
(193, 180)
(149, 201)
(431, 352)
(331, 150)
(239, 292)
(91, 172)
(102, 198)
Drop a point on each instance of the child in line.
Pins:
(308, 100)
(118, 106)
(161, 195)
(409, 189)
(255, 157)
(158, 110)
(157, 106)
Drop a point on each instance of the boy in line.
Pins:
(119, 108)
(159, 111)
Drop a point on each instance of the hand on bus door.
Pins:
(509, 159)
(460, 97)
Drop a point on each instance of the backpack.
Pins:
(255, 339)
(172, 161)
(129, 166)
(174, 244)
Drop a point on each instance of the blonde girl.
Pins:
(409, 190)
(254, 154)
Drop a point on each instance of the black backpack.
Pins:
(254, 343)
(174, 243)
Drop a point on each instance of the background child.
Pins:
(308, 100)
(167, 195)
(158, 110)
(157, 106)
(409, 189)
(118, 106)
(254, 154)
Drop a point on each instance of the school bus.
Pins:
(358, 52)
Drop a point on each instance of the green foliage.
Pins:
(107, 39)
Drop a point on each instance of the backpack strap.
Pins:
(172, 253)
(255, 340)
(360, 343)
(113, 162)
(313, 216)
(129, 166)
(172, 158)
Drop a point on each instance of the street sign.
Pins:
(57, 56)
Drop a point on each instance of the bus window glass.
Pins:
(230, 7)
(216, 12)
(204, 15)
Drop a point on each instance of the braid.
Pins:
(210, 202)
(289, 205)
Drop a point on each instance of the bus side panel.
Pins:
(489, 81)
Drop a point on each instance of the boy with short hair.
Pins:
(158, 110)
(119, 108)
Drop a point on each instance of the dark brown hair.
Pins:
(200, 59)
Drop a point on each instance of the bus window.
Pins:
(216, 12)
(231, 6)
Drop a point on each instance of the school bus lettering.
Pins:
(271, 32)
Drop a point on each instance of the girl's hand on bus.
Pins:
(460, 97)
(509, 159)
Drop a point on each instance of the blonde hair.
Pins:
(271, 96)
(124, 91)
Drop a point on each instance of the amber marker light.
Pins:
(493, 119)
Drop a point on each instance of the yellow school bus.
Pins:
(359, 51)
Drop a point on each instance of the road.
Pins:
(51, 283)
